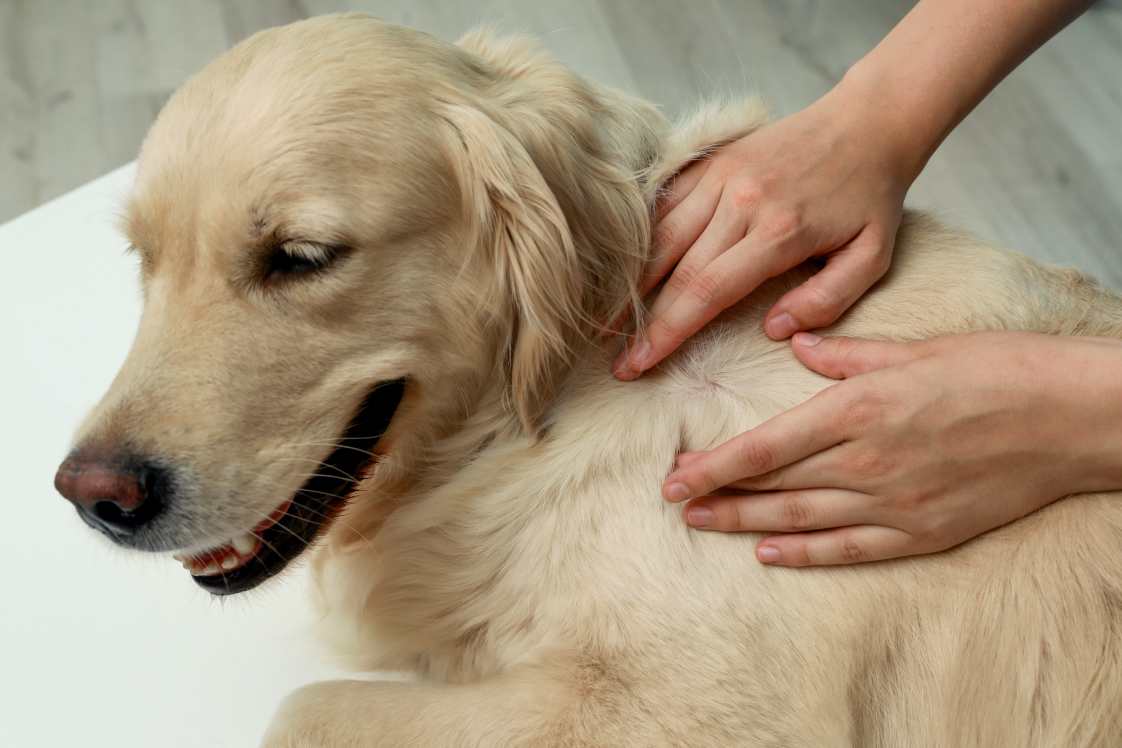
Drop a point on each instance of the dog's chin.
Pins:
(249, 559)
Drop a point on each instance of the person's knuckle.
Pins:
(681, 278)
(738, 516)
(881, 261)
(667, 235)
(871, 464)
(800, 554)
(659, 330)
(824, 303)
(768, 481)
(908, 508)
(748, 194)
(781, 225)
(796, 513)
(706, 478)
(933, 531)
(850, 550)
(707, 289)
(855, 410)
(846, 348)
(929, 539)
(755, 456)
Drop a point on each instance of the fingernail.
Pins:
(782, 327)
(807, 338)
(768, 554)
(676, 492)
(638, 355)
(699, 516)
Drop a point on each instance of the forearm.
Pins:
(941, 60)
(1086, 382)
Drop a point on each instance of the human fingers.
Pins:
(841, 358)
(842, 545)
(678, 229)
(723, 282)
(783, 511)
(671, 239)
(678, 187)
(778, 442)
(847, 274)
(725, 230)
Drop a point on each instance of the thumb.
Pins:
(841, 358)
(848, 273)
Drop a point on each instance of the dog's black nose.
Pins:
(114, 495)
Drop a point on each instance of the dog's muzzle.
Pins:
(121, 495)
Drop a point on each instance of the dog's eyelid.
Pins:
(314, 251)
(296, 257)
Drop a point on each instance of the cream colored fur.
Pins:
(511, 549)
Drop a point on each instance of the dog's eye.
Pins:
(298, 258)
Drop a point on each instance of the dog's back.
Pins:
(564, 551)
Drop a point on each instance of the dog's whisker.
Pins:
(315, 492)
(323, 514)
(283, 527)
(336, 471)
(337, 445)
(308, 477)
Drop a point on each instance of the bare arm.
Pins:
(946, 56)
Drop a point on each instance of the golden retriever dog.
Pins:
(357, 239)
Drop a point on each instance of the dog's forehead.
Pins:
(309, 120)
(296, 90)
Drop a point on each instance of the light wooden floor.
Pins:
(1038, 167)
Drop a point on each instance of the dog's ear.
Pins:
(530, 260)
(553, 170)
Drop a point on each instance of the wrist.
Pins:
(906, 132)
(1098, 438)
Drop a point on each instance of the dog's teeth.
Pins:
(211, 569)
(229, 562)
(244, 543)
(178, 557)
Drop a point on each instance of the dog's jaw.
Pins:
(250, 558)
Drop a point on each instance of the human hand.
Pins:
(827, 182)
(923, 446)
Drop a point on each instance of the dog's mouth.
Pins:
(247, 560)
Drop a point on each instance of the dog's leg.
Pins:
(529, 706)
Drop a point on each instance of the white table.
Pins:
(100, 646)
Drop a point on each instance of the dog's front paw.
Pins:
(318, 716)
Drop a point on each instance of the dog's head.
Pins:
(349, 232)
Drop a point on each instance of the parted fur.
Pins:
(511, 548)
